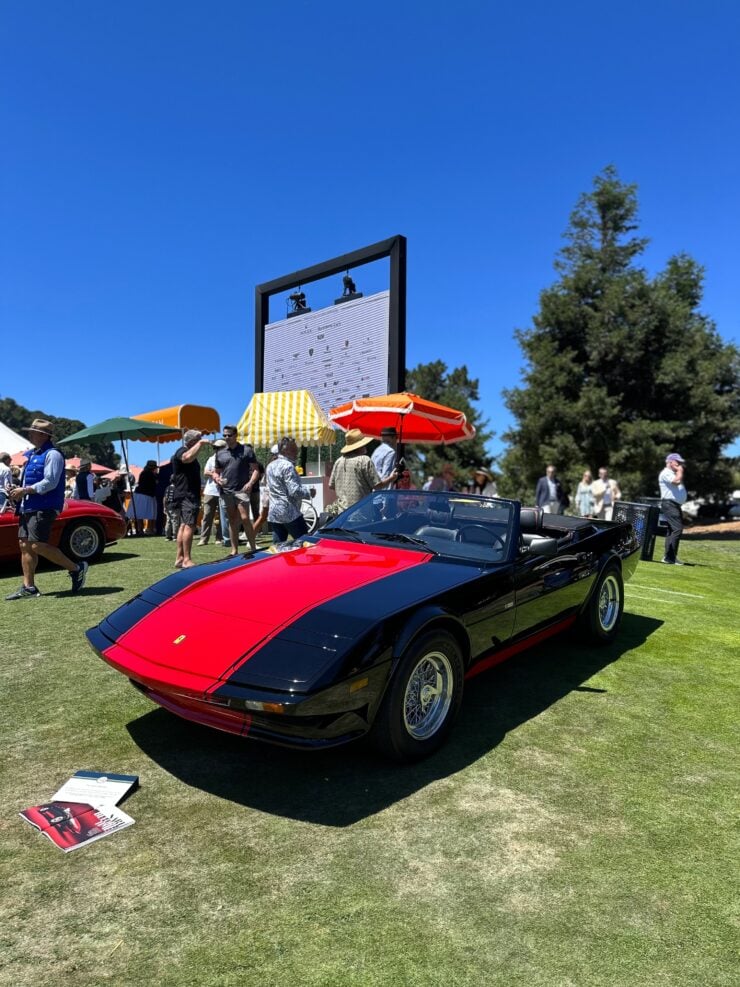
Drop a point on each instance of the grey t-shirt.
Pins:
(236, 466)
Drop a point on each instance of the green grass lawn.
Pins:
(578, 829)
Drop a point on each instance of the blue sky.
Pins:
(160, 159)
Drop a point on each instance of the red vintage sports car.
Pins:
(82, 530)
(373, 624)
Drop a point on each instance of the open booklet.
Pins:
(83, 810)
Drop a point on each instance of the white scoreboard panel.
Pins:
(340, 352)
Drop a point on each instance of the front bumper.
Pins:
(329, 717)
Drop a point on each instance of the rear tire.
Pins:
(82, 541)
(423, 698)
(599, 622)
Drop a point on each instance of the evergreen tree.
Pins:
(455, 389)
(621, 368)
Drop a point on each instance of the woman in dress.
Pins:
(584, 496)
(144, 499)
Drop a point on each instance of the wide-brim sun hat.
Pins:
(484, 472)
(354, 439)
(39, 425)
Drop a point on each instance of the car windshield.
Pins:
(461, 526)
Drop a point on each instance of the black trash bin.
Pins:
(644, 519)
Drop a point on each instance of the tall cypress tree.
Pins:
(621, 368)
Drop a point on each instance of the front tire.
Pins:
(82, 541)
(423, 698)
(599, 622)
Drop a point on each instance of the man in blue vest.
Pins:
(41, 498)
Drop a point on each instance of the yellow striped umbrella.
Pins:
(272, 414)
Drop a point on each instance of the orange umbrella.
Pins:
(415, 419)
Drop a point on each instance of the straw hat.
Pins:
(39, 425)
(484, 472)
(354, 439)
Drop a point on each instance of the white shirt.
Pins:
(211, 489)
(670, 489)
(6, 476)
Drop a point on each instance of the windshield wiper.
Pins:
(399, 536)
(343, 532)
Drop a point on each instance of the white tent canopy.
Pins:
(11, 442)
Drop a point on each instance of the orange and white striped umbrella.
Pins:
(416, 419)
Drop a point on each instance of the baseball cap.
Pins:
(674, 457)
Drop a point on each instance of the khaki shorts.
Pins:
(232, 498)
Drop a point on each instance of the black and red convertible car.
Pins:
(374, 623)
(81, 530)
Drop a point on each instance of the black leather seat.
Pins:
(430, 531)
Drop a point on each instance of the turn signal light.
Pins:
(264, 707)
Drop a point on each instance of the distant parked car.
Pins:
(82, 530)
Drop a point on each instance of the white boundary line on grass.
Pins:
(659, 589)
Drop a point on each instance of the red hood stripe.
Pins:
(213, 626)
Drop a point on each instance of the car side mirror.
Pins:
(546, 548)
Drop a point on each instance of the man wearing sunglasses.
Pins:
(236, 473)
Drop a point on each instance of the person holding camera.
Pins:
(186, 494)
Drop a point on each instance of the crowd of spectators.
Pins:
(236, 496)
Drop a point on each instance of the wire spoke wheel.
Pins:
(609, 602)
(310, 515)
(428, 695)
(82, 541)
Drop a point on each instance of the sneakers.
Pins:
(672, 562)
(24, 593)
(79, 577)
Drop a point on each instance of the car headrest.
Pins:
(531, 519)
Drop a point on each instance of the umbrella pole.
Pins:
(399, 446)
(124, 450)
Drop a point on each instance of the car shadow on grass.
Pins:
(341, 786)
(87, 591)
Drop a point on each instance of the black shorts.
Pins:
(36, 526)
(188, 510)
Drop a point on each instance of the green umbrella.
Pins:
(119, 428)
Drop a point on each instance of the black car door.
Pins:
(545, 589)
